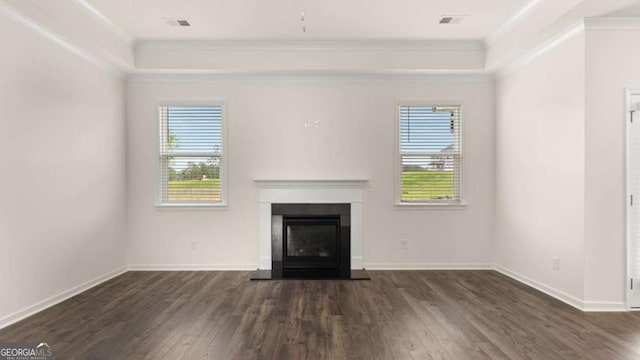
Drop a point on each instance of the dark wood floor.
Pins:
(396, 315)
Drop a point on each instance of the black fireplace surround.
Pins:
(311, 241)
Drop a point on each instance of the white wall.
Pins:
(540, 169)
(267, 139)
(612, 65)
(62, 188)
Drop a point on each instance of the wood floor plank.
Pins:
(416, 315)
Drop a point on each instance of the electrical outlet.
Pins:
(194, 245)
(556, 263)
(404, 244)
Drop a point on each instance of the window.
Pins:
(191, 155)
(430, 154)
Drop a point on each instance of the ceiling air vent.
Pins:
(452, 19)
(177, 22)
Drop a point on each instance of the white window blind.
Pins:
(191, 155)
(430, 154)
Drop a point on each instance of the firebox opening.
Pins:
(311, 246)
(311, 241)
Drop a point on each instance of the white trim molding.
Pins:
(110, 25)
(276, 45)
(612, 23)
(555, 293)
(211, 76)
(311, 184)
(18, 17)
(505, 27)
(582, 305)
(429, 266)
(508, 66)
(193, 267)
(56, 299)
(630, 220)
(603, 306)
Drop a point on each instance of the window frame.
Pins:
(159, 203)
(427, 204)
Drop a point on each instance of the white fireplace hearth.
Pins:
(310, 192)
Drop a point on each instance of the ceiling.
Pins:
(325, 19)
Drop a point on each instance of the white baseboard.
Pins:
(56, 299)
(428, 266)
(582, 305)
(604, 306)
(560, 295)
(252, 267)
(193, 267)
(587, 306)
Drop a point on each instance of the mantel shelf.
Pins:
(311, 183)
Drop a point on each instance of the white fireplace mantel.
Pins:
(310, 192)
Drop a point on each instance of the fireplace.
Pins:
(305, 199)
(311, 241)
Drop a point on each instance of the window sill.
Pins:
(203, 207)
(433, 206)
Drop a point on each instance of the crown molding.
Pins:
(110, 25)
(13, 14)
(382, 44)
(612, 23)
(306, 77)
(499, 69)
(509, 66)
(505, 27)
